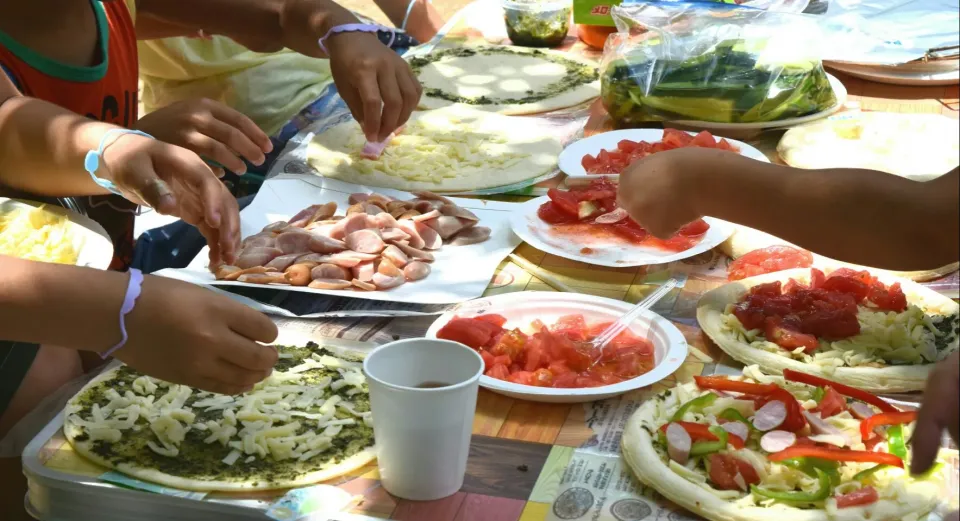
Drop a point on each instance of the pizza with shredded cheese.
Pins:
(309, 421)
(453, 149)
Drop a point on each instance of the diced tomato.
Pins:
(585, 382)
(503, 360)
(769, 260)
(627, 146)
(498, 371)
(487, 359)
(723, 144)
(566, 380)
(630, 230)
(887, 299)
(788, 337)
(469, 332)
(816, 278)
(573, 327)
(849, 285)
(551, 214)
(564, 201)
(724, 469)
(831, 404)
(533, 359)
(863, 496)
(704, 140)
(497, 320)
(674, 138)
(543, 378)
(589, 163)
(695, 228)
(521, 377)
(511, 345)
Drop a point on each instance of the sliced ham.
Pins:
(394, 234)
(294, 241)
(328, 284)
(366, 286)
(382, 281)
(445, 226)
(283, 262)
(315, 212)
(256, 256)
(373, 149)
(414, 253)
(364, 271)
(431, 239)
(410, 228)
(416, 270)
(365, 241)
(385, 220)
(738, 429)
(678, 443)
(456, 211)
(775, 441)
(612, 217)
(472, 235)
(330, 271)
(770, 416)
(395, 255)
(322, 244)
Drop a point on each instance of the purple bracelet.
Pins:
(129, 301)
(355, 28)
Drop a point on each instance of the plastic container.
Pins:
(594, 35)
(537, 24)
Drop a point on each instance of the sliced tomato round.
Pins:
(550, 213)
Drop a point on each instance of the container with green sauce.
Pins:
(533, 23)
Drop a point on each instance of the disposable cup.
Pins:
(423, 393)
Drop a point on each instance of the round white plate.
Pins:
(898, 75)
(89, 238)
(572, 156)
(604, 252)
(521, 309)
(839, 91)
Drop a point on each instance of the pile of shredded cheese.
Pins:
(282, 417)
(35, 234)
(432, 152)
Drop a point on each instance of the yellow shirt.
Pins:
(269, 88)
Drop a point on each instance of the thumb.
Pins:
(142, 180)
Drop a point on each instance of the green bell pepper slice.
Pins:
(695, 405)
(823, 491)
(818, 394)
(896, 443)
(863, 474)
(809, 467)
(701, 448)
(734, 415)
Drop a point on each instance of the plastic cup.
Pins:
(423, 394)
(532, 23)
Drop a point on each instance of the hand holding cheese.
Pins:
(851, 215)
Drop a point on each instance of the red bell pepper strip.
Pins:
(722, 383)
(863, 496)
(885, 418)
(835, 454)
(846, 390)
(699, 431)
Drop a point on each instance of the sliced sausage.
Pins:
(388, 268)
(365, 241)
(410, 228)
(355, 208)
(409, 214)
(322, 244)
(263, 240)
(775, 441)
(330, 271)
(283, 262)
(461, 213)
(394, 234)
(262, 278)
(275, 227)
(385, 220)
(416, 270)
(414, 253)
(234, 275)
(382, 281)
(223, 271)
(431, 239)
(294, 242)
(356, 222)
(430, 196)
(770, 416)
(738, 429)
(364, 271)
(393, 206)
(678, 443)
(328, 284)
(358, 198)
(432, 214)
(346, 259)
(314, 212)
(427, 206)
(373, 209)
(256, 256)
(298, 274)
(445, 226)
(395, 255)
(473, 235)
(366, 286)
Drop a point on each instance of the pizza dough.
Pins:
(915, 146)
(453, 149)
(647, 464)
(892, 378)
(508, 80)
(308, 422)
(744, 240)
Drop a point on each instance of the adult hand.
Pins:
(657, 191)
(938, 412)
(175, 181)
(212, 130)
(189, 335)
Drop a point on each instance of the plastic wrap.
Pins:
(696, 61)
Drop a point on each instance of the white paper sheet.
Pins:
(460, 273)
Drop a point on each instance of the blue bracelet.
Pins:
(91, 163)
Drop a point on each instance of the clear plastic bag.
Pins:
(695, 61)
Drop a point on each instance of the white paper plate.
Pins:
(899, 75)
(610, 252)
(571, 157)
(520, 309)
(838, 90)
(460, 273)
(89, 238)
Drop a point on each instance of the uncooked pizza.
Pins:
(881, 334)
(308, 422)
(453, 149)
(508, 80)
(799, 448)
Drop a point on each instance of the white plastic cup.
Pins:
(423, 434)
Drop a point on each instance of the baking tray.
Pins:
(64, 486)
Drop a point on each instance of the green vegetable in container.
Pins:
(536, 24)
(733, 82)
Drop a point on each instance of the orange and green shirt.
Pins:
(104, 92)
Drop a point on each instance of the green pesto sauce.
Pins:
(577, 74)
(537, 29)
(203, 462)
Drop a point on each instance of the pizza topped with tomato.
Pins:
(800, 446)
(881, 334)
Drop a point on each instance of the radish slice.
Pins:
(775, 441)
(678, 443)
(738, 429)
(770, 416)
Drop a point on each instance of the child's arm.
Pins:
(423, 21)
(376, 84)
(177, 332)
(857, 216)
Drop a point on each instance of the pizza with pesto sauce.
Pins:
(793, 448)
(873, 331)
(308, 422)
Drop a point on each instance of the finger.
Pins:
(147, 186)
(392, 104)
(930, 423)
(218, 141)
(250, 324)
(369, 92)
(229, 373)
(216, 386)
(227, 235)
(410, 90)
(353, 102)
(244, 125)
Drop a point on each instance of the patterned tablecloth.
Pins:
(548, 462)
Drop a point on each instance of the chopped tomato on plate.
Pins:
(627, 151)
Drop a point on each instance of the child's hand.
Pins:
(175, 181)
(188, 335)
(212, 130)
(938, 413)
(657, 191)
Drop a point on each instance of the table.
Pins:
(546, 462)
